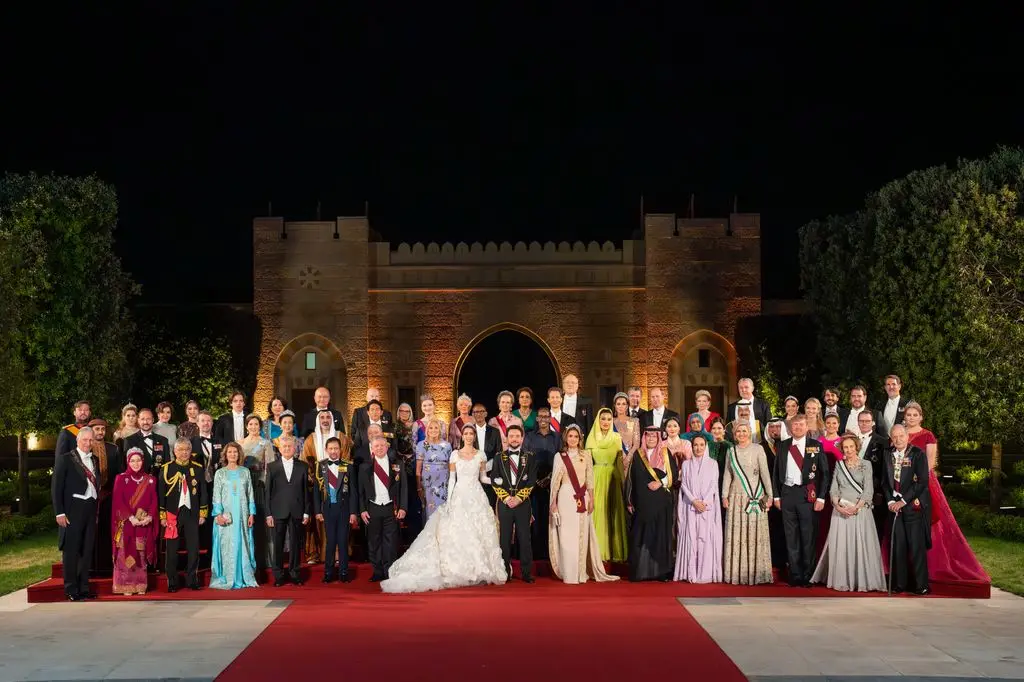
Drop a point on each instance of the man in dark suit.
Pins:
(895, 404)
(488, 440)
(288, 506)
(156, 450)
(383, 501)
(635, 396)
(512, 478)
(361, 417)
(559, 419)
(106, 456)
(659, 412)
(67, 438)
(759, 408)
(858, 404)
(75, 492)
(231, 426)
(336, 505)
(873, 449)
(575, 405)
(800, 481)
(372, 415)
(206, 451)
(905, 487)
(322, 398)
(831, 405)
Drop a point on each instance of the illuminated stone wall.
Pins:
(606, 312)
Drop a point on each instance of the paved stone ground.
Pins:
(771, 640)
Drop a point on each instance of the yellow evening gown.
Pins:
(609, 505)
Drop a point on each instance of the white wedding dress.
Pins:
(458, 546)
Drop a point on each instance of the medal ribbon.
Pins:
(754, 496)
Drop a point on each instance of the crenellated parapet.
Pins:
(476, 253)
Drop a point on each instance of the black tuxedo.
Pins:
(170, 480)
(648, 420)
(759, 409)
(799, 519)
(309, 424)
(640, 412)
(911, 528)
(506, 486)
(565, 421)
(901, 408)
(382, 528)
(875, 414)
(491, 447)
(843, 413)
(875, 454)
(584, 413)
(209, 464)
(224, 428)
(361, 421)
(344, 483)
(77, 541)
(152, 458)
(288, 502)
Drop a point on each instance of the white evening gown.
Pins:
(458, 546)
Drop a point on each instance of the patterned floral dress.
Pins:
(434, 473)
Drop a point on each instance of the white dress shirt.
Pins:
(239, 421)
(184, 499)
(289, 465)
(794, 476)
(865, 440)
(481, 437)
(656, 415)
(381, 494)
(892, 407)
(90, 491)
(569, 405)
(851, 421)
(511, 474)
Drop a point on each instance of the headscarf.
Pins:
(128, 460)
(655, 456)
(769, 441)
(595, 439)
(321, 438)
(688, 435)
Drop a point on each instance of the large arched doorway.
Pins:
(306, 362)
(506, 357)
(702, 360)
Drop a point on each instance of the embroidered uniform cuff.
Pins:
(203, 512)
(524, 493)
(163, 514)
(501, 493)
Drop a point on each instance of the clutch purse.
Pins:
(847, 503)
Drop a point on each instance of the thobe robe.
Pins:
(699, 546)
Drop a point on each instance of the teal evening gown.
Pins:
(234, 562)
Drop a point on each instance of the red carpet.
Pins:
(545, 631)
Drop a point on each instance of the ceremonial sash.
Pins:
(502, 426)
(849, 478)
(650, 470)
(579, 492)
(754, 496)
(90, 475)
(381, 474)
(332, 479)
(794, 452)
(556, 425)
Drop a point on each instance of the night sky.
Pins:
(490, 125)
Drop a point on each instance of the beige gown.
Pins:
(573, 549)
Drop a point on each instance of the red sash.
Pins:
(90, 475)
(501, 425)
(579, 492)
(794, 452)
(332, 480)
(381, 474)
(556, 425)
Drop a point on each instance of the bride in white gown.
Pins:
(458, 546)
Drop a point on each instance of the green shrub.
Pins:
(1018, 469)
(969, 475)
(1015, 496)
(17, 526)
(974, 519)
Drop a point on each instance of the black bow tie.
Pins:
(513, 452)
(334, 462)
(206, 439)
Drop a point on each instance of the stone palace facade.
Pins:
(339, 309)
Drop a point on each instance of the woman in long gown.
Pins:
(627, 427)
(132, 530)
(433, 457)
(463, 407)
(427, 407)
(699, 547)
(704, 412)
(851, 560)
(259, 453)
(572, 541)
(458, 545)
(950, 558)
(748, 495)
(505, 417)
(831, 442)
(605, 446)
(653, 480)
(233, 560)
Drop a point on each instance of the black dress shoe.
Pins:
(345, 578)
(528, 579)
(923, 591)
(327, 579)
(195, 586)
(298, 582)
(278, 582)
(74, 597)
(172, 588)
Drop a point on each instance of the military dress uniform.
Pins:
(183, 500)
(335, 498)
(513, 475)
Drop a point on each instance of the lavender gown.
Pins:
(699, 547)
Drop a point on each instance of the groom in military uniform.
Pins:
(336, 503)
(512, 478)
